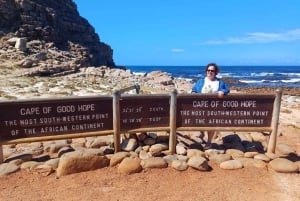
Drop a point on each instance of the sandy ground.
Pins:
(165, 184)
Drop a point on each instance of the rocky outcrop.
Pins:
(52, 33)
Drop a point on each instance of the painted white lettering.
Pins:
(200, 103)
(29, 131)
(230, 103)
(156, 109)
(200, 121)
(84, 108)
(66, 109)
(184, 112)
(30, 111)
(248, 103)
(11, 123)
(26, 122)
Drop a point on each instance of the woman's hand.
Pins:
(220, 94)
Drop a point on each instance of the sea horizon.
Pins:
(246, 75)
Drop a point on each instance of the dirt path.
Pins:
(156, 184)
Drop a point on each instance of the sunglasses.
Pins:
(208, 70)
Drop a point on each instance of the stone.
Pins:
(284, 149)
(149, 141)
(231, 165)
(43, 33)
(118, 157)
(180, 149)
(29, 165)
(81, 161)
(53, 163)
(250, 154)
(179, 165)
(272, 156)
(195, 152)
(283, 165)
(157, 149)
(21, 44)
(170, 158)
(8, 168)
(144, 155)
(129, 144)
(219, 158)
(22, 156)
(64, 150)
(154, 162)
(251, 162)
(199, 163)
(262, 157)
(130, 165)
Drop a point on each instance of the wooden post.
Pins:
(1, 154)
(116, 120)
(275, 121)
(172, 137)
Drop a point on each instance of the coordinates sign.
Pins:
(53, 117)
(230, 111)
(144, 112)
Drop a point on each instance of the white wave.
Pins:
(252, 81)
(291, 80)
(261, 74)
(226, 74)
(291, 74)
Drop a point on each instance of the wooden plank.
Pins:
(58, 137)
(144, 112)
(38, 118)
(231, 111)
(233, 129)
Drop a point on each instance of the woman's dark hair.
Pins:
(215, 65)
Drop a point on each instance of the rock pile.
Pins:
(49, 37)
(147, 150)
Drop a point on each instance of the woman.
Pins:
(211, 84)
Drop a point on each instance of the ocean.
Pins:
(248, 76)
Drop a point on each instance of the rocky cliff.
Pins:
(49, 36)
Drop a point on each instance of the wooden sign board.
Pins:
(34, 118)
(144, 112)
(230, 111)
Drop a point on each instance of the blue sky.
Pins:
(196, 32)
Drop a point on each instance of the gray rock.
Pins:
(8, 168)
(170, 158)
(199, 163)
(53, 163)
(22, 156)
(154, 162)
(181, 149)
(179, 165)
(129, 144)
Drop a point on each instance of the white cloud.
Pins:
(177, 50)
(258, 37)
